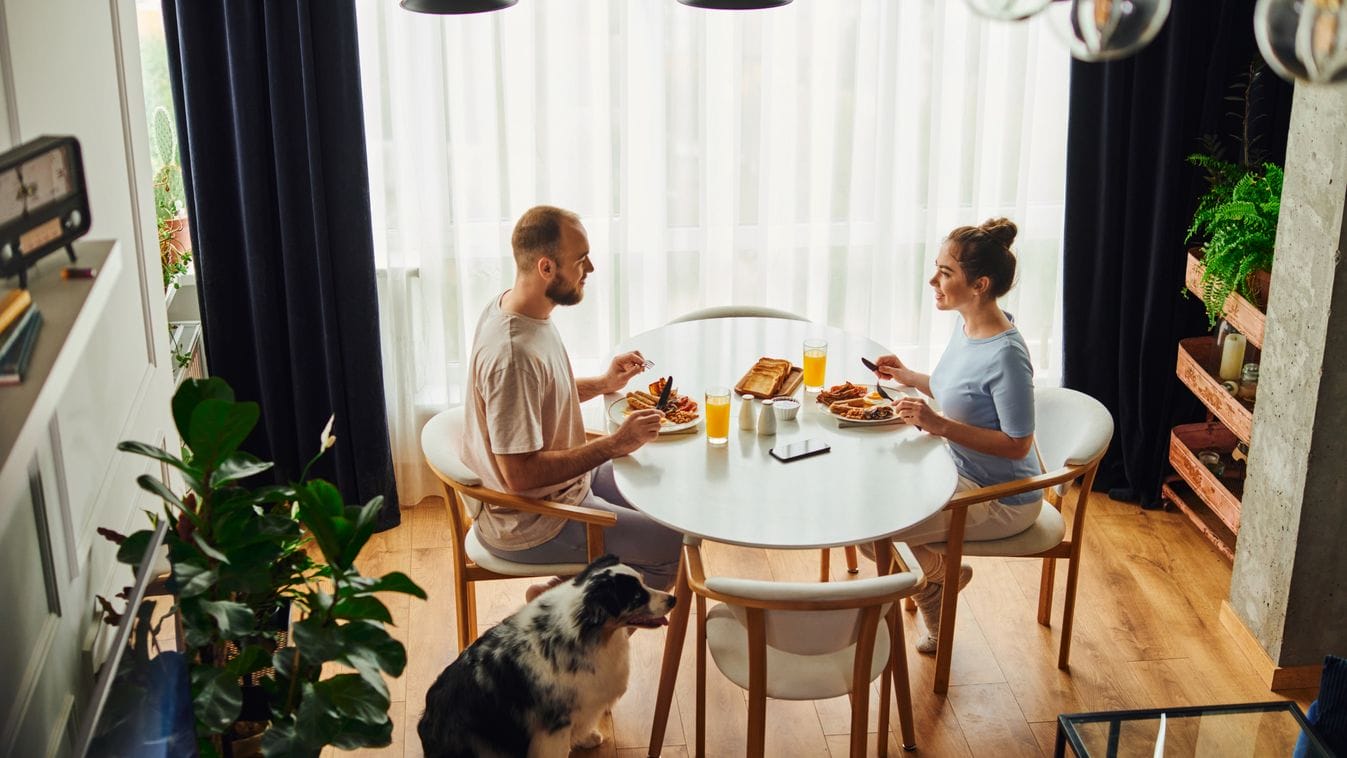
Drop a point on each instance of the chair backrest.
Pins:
(813, 632)
(440, 441)
(731, 311)
(1070, 427)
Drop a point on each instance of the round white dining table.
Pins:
(875, 481)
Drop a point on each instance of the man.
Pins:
(523, 430)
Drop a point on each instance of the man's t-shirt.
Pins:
(521, 399)
(989, 383)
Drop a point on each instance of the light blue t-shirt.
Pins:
(989, 383)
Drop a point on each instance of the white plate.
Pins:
(617, 413)
(889, 420)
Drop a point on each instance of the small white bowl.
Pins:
(785, 408)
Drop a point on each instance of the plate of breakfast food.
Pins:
(857, 404)
(680, 414)
(770, 377)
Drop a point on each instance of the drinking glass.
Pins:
(718, 415)
(815, 362)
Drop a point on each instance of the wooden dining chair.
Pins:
(1071, 432)
(806, 641)
(464, 497)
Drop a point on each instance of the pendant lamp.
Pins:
(1303, 40)
(456, 6)
(735, 5)
(1104, 30)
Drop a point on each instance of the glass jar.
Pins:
(1248, 382)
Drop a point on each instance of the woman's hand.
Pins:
(890, 367)
(916, 412)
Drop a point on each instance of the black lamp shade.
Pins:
(735, 5)
(456, 6)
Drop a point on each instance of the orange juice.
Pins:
(815, 361)
(718, 418)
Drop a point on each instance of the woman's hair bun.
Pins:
(1001, 229)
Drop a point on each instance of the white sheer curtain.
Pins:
(808, 158)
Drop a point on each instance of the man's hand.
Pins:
(639, 428)
(622, 368)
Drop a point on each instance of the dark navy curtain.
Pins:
(271, 128)
(1130, 197)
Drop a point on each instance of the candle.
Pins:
(1232, 356)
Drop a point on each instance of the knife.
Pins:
(664, 394)
(870, 365)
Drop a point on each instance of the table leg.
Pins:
(673, 651)
(1059, 748)
(1114, 732)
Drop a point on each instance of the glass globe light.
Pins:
(1103, 30)
(1303, 39)
(1007, 10)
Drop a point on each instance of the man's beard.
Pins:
(561, 293)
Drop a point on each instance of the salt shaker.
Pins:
(746, 413)
(766, 419)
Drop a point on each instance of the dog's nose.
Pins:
(673, 600)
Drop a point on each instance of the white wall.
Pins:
(72, 67)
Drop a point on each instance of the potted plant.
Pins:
(170, 208)
(241, 557)
(1237, 215)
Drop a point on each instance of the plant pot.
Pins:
(178, 241)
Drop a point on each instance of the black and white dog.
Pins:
(537, 684)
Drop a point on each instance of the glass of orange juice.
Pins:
(718, 415)
(815, 362)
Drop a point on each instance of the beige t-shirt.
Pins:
(521, 398)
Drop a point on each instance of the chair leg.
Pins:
(860, 718)
(1069, 611)
(701, 677)
(949, 601)
(465, 609)
(1045, 591)
(673, 650)
(909, 604)
(825, 564)
(757, 683)
(902, 687)
(852, 564)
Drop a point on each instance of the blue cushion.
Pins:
(1328, 714)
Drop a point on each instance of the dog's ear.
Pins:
(602, 562)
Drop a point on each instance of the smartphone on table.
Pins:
(794, 451)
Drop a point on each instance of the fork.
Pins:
(649, 364)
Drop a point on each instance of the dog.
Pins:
(537, 683)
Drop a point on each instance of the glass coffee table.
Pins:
(1227, 731)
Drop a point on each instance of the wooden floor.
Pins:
(1147, 635)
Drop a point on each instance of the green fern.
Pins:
(1238, 216)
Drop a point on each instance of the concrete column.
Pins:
(1289, 587)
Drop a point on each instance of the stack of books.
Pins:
(20, 322)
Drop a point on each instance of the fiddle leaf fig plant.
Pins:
(241, 561)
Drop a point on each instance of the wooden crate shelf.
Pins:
(1198, 361)
(1221, 494)
(1218, 534)
(1242, 314)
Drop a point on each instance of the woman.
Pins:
(984, 385)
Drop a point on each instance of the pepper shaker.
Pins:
(766, 419)
(746, 413)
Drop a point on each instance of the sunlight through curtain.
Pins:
(808, 158)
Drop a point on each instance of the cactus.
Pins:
(165, 141)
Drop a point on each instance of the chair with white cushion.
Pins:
(806, 641)
(737, 311)
(464, 497)
(1072, 432)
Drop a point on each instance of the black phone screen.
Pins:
(797, 450)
